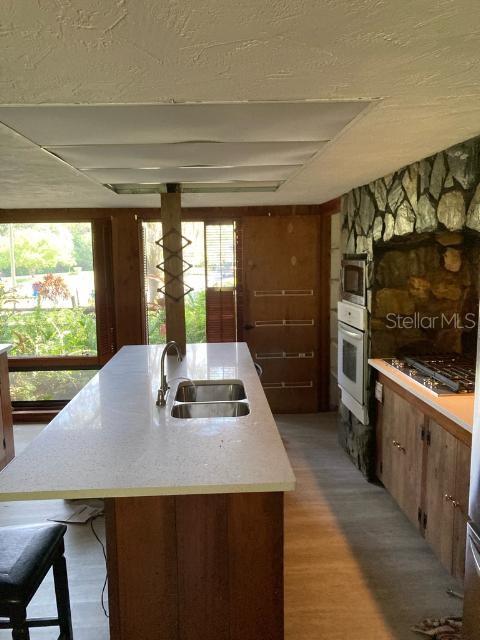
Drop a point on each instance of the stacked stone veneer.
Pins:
(440, 192)
(420, 229)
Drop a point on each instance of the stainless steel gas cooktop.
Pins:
(442, 375)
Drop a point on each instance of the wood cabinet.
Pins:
(6, 427)
(402, 452)
(424, 462)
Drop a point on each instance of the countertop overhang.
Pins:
(458, 408)
(112, 440)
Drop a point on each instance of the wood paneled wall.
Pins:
(119, 281)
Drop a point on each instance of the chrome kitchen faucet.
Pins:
(163, 390)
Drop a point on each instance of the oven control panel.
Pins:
(352, 314)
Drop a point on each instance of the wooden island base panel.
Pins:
(194, 567)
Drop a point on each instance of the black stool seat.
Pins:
(27, 553)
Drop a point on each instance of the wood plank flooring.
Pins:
(354, 569)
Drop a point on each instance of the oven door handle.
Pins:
(350, 333)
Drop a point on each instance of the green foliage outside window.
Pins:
(49, 332)
(195, 320)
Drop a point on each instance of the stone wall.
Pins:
(420, 229)
(425, 295)
(440, 192)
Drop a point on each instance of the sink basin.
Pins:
(210, 410)
(210, 391)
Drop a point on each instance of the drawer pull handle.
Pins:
(399, 446)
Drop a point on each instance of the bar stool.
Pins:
(26, 555)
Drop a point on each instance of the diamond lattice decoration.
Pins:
(163, 266)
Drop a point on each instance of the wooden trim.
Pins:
(449, 425)
(104, 296)
(153, 213)
(323, 360)
(55, 215)
(128, 280)
(33, 416)
(52, 363)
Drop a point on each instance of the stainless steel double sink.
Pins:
(210, 399)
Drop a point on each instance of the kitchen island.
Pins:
(194, 507)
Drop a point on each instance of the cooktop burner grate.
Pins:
(441, 374)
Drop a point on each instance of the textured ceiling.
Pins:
(419, 58)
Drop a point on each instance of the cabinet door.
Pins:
(462, 486)
(391, 431)
(413, 448)
(440, 491)
(402, 452)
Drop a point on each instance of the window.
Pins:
(47, 291)
(47, 385)
(220, 252)
(221, 292)
(48, 310)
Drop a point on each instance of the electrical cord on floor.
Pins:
(102, 598)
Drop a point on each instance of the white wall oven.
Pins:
(352, 358)
(354, 279)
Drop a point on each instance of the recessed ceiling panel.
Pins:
(216, 174)
(198, 154)
(236, 186)
(125, 124)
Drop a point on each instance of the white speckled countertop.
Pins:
(5, 348)
(458, 408)
(112, 440)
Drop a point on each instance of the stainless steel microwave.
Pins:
(354, 280)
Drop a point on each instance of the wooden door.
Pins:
(462, 487)
(285, 315)
(440, 491)
(402, 452)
